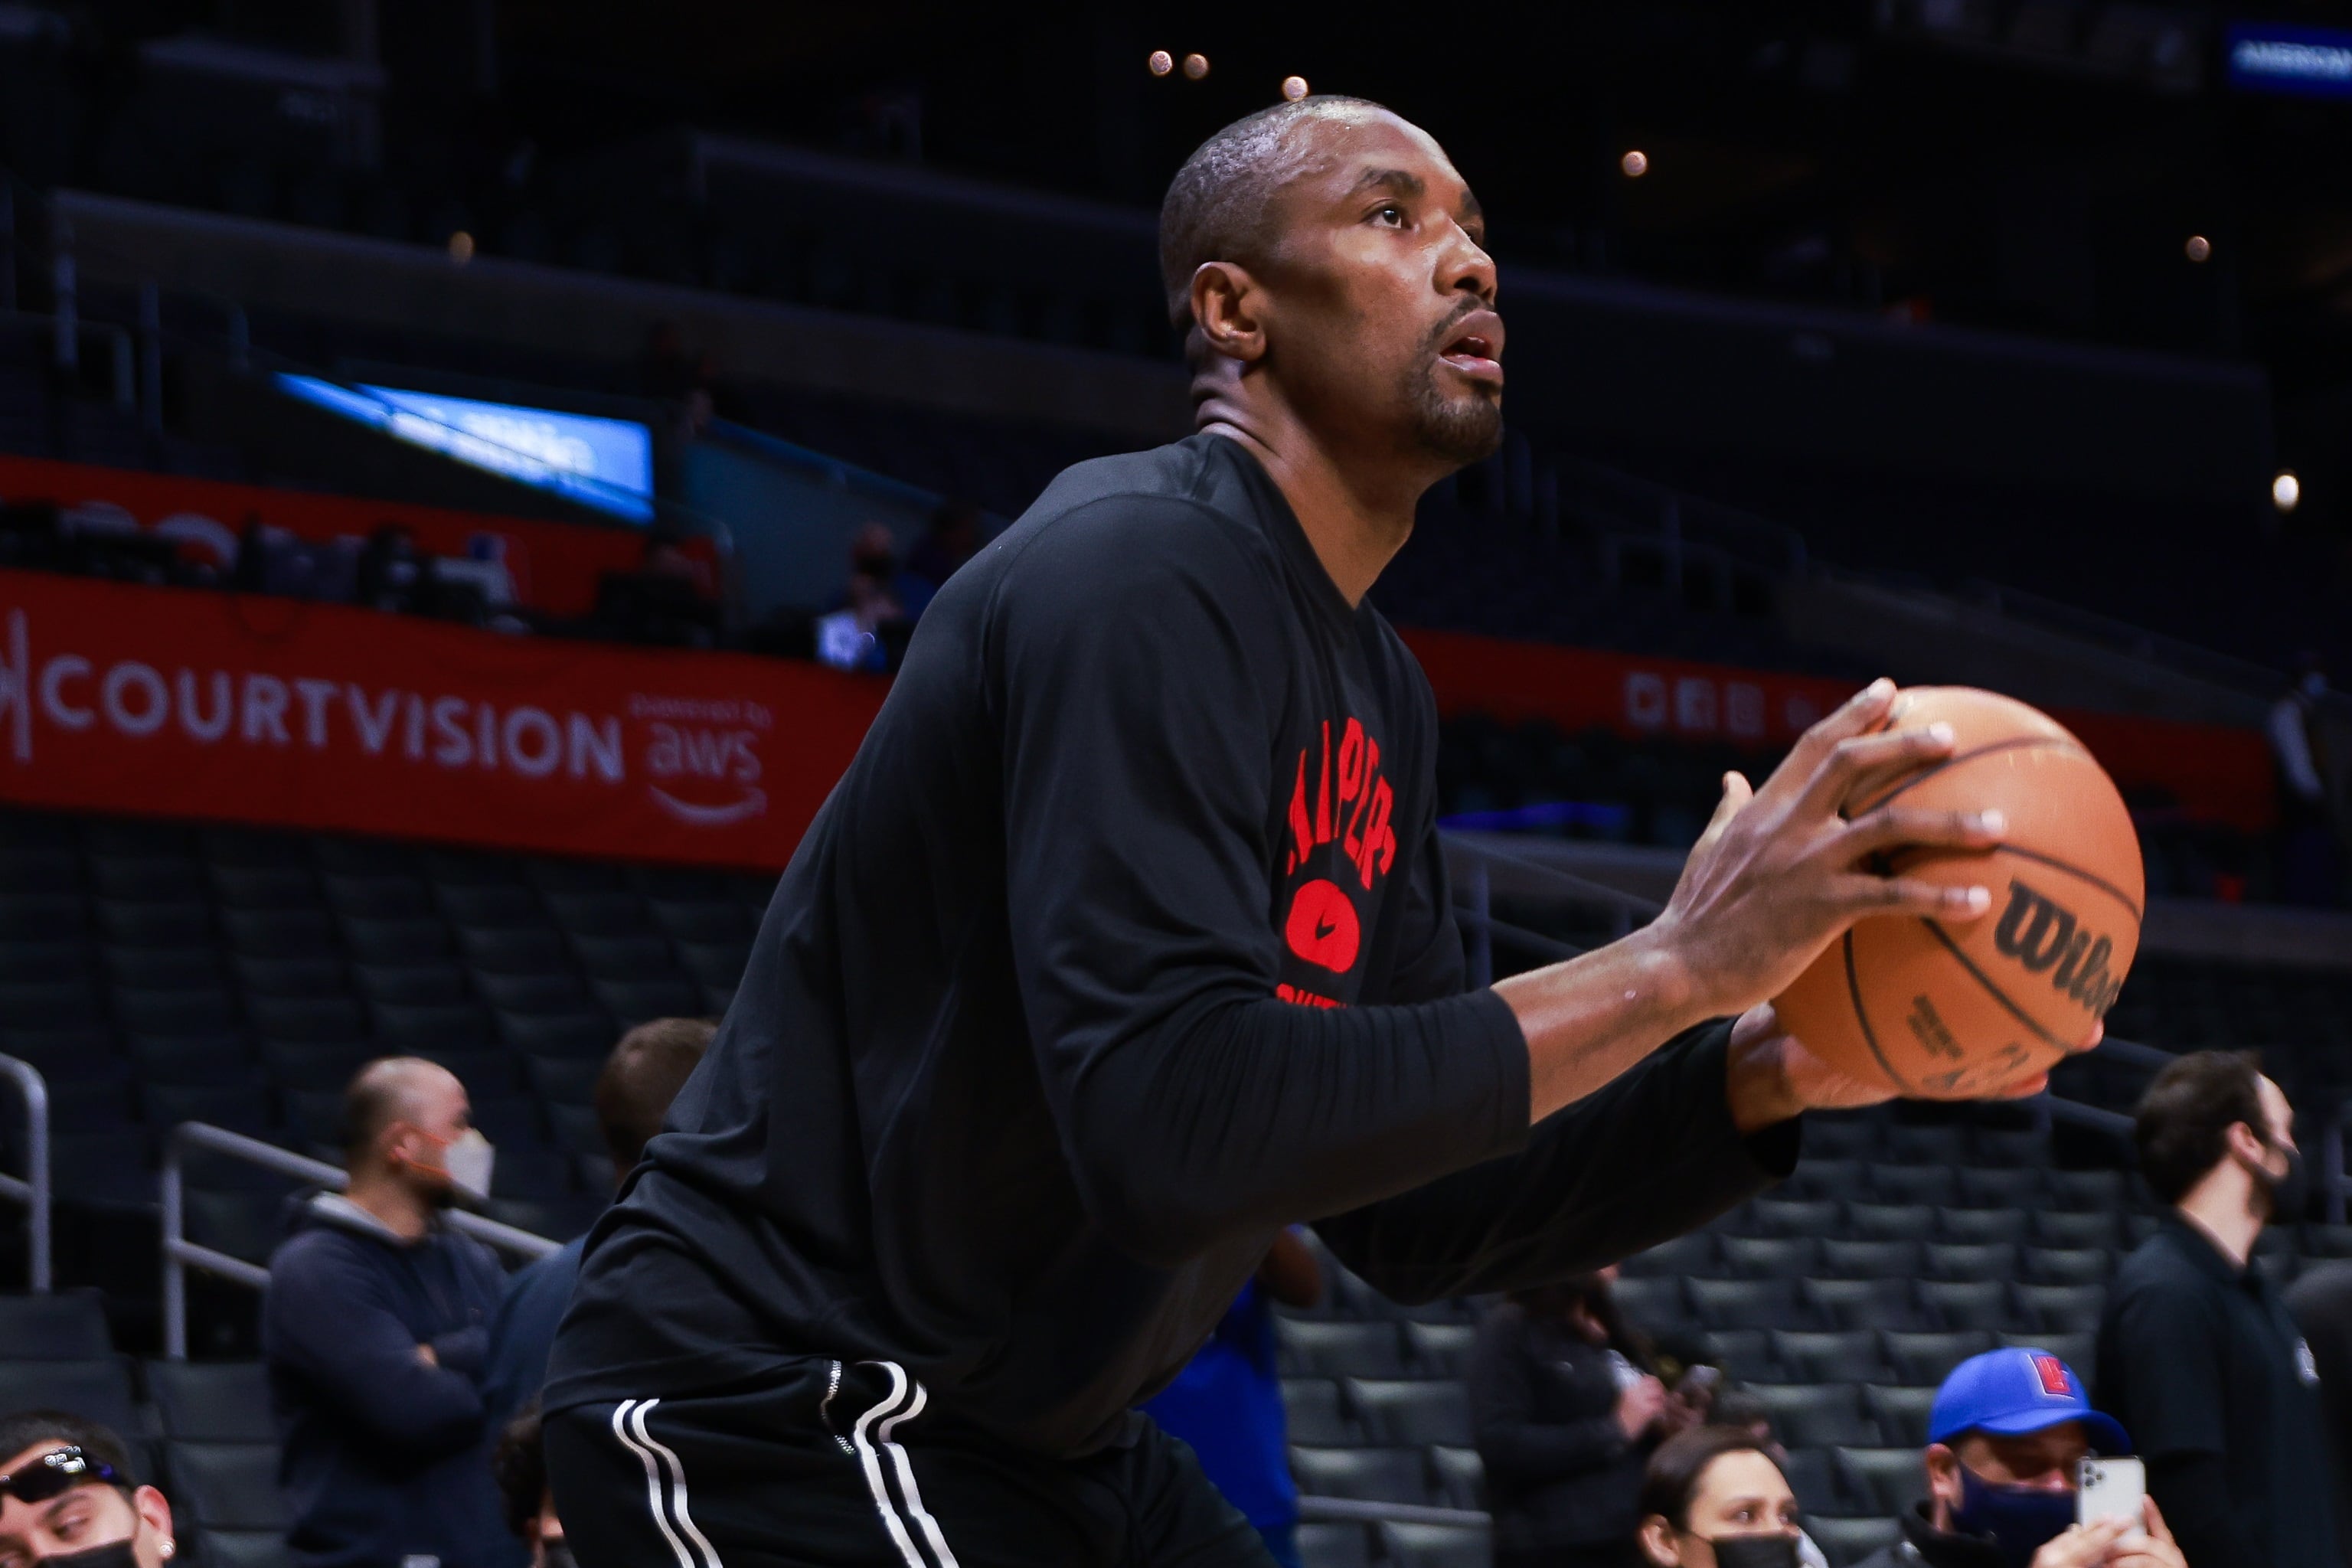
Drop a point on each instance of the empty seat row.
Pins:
(1357, 1412)
(1918, 1357)
(1442, 1477)
(1818, 1303)
(1962, 1186)
(1857, 1221)
(1389, 1544)
(1375, 1348)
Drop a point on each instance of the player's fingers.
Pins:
(2025, 1087)
(1856, 767)
(1759, 1023)
(1858, 715)
(1859, 895)
(1736, 797)
(1894, 826)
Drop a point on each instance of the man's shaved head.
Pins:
(388, 1089)
(1221, 205)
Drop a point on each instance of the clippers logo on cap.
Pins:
(2054, 1381)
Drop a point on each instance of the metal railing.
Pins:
(32, 1189)
(180, 1254)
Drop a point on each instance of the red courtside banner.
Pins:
(187, 703)
(555, 566)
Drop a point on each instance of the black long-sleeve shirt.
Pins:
(1123, 941)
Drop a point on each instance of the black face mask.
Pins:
(113, 1554)
(1755, 1551)
(557, 1555)
(2290, 1193)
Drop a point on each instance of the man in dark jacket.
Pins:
(374, 1326)
(2005, 1437)
(1565, 1411)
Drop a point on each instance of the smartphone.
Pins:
(2111, 1489)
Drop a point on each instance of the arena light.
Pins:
(1196, 67)
(1635, 163)
(1294, 88)
(1161, 63)
(461, 247)
(2286, 490)
(2198, 249)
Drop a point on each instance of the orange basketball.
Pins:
(1957, 1010)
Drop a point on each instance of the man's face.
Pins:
(2278, 1122)
(2046, 1460)
(1380, 293)
(437, 1116)
(91, 1514)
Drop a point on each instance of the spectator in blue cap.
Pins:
(2004, 1440)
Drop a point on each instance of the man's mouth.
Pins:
(1476, 351)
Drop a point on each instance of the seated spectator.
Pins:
(1565, 1407)
(374, 1328)
(2006, 1435)
(633, 1093)
(867, 630)
(952, 539)
(520, 1463)
(1711, 1497)
(1227, 1402)
(67, 1496)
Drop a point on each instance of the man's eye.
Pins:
(1391, 214)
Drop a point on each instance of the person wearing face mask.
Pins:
(1711, 1497)
(2199, 1357)
(375, 1326)
(69, 1498)
(2006, 1434)
(1566, 1405)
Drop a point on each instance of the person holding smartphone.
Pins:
(2007, 1437)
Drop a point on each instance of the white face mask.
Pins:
(468, 1160)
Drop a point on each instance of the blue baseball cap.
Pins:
(2010, 1393)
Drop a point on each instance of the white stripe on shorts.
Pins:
(667, 1475)
(868, 1458)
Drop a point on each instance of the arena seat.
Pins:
(245, 1549)
(1890, 1222)
(226, 1486)
(1768, 1258)
(1411, 1413)
(1924, 1358)
(1966, 1303)
(1692, 1254)
(218, 1402)
(1849, 1541)
(1368, 1475)
(1845, 1260)
(1816, 1415)
(1911, 1184)
(97, 1387)
(1968, 1260)
(1883, 1481)
(1434, 1545)
(1901, 1413)
(1340, 1349)
(1747, 1303)
(1440, 1350)
(1744, 1353)
(1835, 1355)
(1324, 1544)
(67, 1326)
(1862, 1303)
(1317, 1417)
(1459, 1475)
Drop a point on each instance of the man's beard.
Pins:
(1462, 430)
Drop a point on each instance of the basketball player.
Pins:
(1125, 941)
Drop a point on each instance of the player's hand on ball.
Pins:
(1780, 872)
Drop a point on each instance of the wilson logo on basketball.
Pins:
(2045, 937)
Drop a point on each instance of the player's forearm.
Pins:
(1589, 1020)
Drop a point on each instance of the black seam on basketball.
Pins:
(2014, 743)
(2073, 870)
(1869, 1036)
(1998, 995)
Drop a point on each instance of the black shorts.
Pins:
(831, 1467)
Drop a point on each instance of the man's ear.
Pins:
(154, 1511)
(1943, 1476)
(1226, 310)
(1657, 1541)
(2247, 1144)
